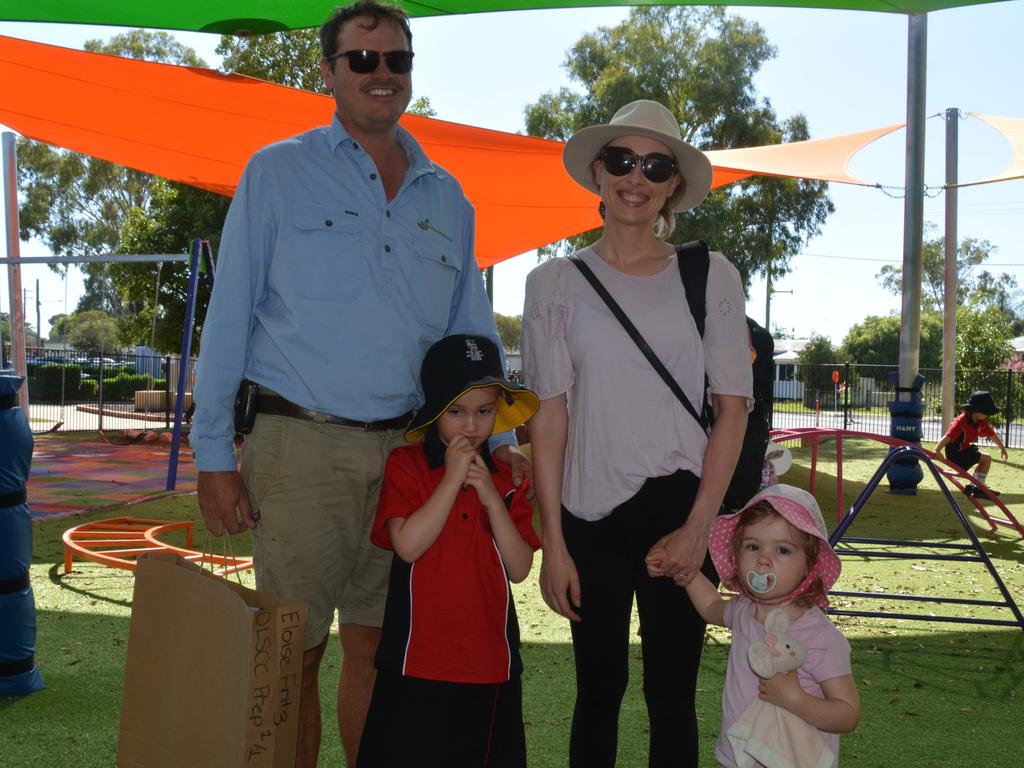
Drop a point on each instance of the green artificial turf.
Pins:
(932, 694)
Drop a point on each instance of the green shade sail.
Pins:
(231, 16)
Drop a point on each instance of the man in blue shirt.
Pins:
(346, 253)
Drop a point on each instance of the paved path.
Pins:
(86, 473)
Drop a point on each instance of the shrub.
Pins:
(124, 386)
(48, 382)
(88, 389)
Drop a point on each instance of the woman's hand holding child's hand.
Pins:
(678, 555)
(655, 562)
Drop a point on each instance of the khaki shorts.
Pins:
(315, 487)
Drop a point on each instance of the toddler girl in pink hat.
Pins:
(774, 553)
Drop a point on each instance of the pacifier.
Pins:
(761, 583)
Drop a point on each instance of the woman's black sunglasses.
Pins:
(365, 62)
(657, 167)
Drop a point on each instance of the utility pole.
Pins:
(769, 290)
(17, 314)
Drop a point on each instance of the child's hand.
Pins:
(479, 477)
(1002, 454)
(782, 690)
(458, 457)
(655, 562)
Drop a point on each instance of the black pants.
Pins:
(435, 724)
(609, 556)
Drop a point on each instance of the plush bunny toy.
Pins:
(778, 652)
(767, 735)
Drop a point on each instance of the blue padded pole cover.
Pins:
(19, 674)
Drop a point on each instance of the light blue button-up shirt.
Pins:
(329, 294)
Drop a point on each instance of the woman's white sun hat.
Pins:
(641, 118)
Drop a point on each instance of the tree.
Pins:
(59, 327)
(93, 332)
(816, 362)
(973, 286)
(982, 339)
(290, 58)
(31, 337)
(421, 106)
(177, 214)
(509, 329)
(77, 204)
(876, 341)
(701, 64)
(983, 348)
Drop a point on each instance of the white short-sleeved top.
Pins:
(625, 425)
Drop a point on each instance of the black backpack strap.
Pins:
(639, 340)
(694, 262)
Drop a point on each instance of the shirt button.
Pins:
(388, 214)
(444, 258)
(354, 145)
(329, 223)
(387, 248)
(465, 515)
(373, 176)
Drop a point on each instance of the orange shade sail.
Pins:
(1012, 129)
(820, 159)
(199, 127)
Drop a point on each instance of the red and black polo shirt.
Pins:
(450, 615)
(964, 432)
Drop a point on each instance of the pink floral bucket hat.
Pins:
(801, 510)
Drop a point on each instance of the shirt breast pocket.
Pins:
(432, 285)
(324, 254)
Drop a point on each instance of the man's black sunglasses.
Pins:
(365, 62)
(656, 166)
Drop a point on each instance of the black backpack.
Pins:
(694, 262)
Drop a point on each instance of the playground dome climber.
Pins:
(19, 674)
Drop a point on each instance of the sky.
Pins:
(845, 71)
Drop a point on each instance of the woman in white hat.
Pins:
(622, 470)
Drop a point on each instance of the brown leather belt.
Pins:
(278, 406)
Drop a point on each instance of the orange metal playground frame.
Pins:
(118, 543)
(950, 472)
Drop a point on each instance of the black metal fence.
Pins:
(72, 392)
(852, 396)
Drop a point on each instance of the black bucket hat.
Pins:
(981, 402)
(455, 365)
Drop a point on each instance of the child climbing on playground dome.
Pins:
(775, 554)
(960, 440)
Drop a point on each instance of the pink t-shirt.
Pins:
(625, 425)
(828, 656)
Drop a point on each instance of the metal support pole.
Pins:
(10, 170)
(913, 208)
(949, 283)
(183, 366)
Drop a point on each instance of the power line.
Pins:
(983, 265)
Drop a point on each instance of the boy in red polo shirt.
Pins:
(961, 438)
(448, 691)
